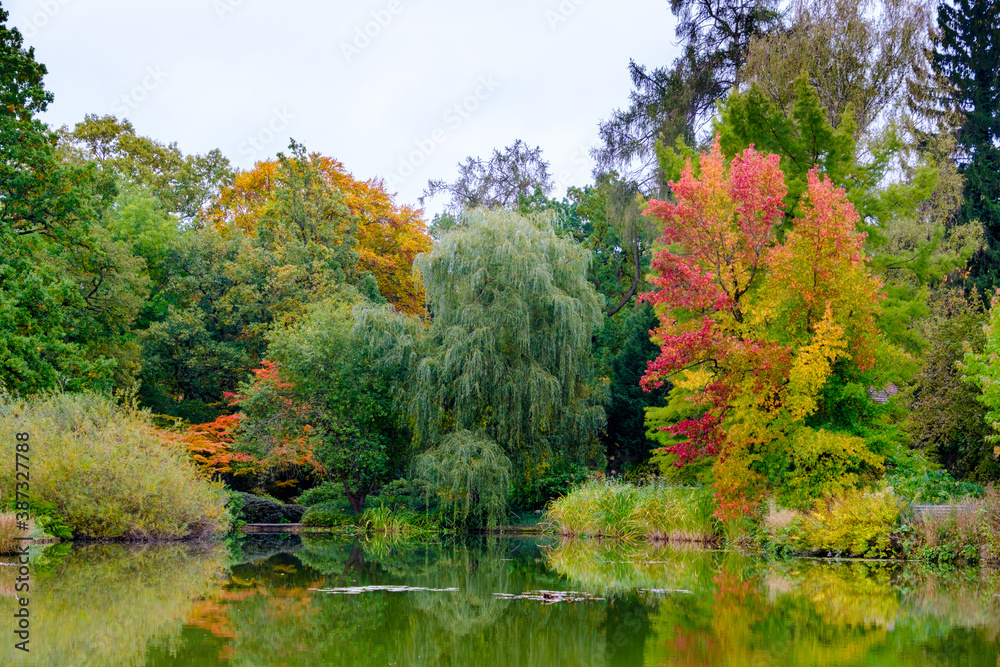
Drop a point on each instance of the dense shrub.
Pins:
(546, 482)
(820, 463)
(932, 487)
(326, 515)
(321, 493)
(406, 494)
(856, 524)
(263, 510)
(105, 470)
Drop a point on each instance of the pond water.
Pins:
(303, 601)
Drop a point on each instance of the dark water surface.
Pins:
(263, 603)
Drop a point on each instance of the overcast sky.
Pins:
(398, 89)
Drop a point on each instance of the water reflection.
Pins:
(257, 604)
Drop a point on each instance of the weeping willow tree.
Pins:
(470, 474)
(510, 354)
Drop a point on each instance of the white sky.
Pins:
(245, 75)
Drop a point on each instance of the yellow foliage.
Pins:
(388, 236)
(824, 463)
(858, 524)
(812, 366)
(694, 379)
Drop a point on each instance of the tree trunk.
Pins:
(357, 499)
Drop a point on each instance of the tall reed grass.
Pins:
(620, 510)
(385, 521)
(9, 532)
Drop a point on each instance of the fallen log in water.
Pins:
(550, 597)
(357, 590)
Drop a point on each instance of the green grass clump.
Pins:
(104, 470)
(384, 520)
(327, 514)
(653, 511)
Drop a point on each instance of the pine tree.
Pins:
(968, 55)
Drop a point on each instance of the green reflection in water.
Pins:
(104, 604)
(181, 605)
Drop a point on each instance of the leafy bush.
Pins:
(857, 524)
(406, 494)
(50, 521)
(546, 482)
(255, 509)
(932, 487)
(104, 469)
(327, 515)
(321, 493)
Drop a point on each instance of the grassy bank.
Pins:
(879, 524)
(99, 470)
(626, 511)
(876, 523)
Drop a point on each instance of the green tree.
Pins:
(906, 209)
(183, 184)
(503, 181)
(607, 218)
(855, 54)
(982, 369)
(69, 288)
(674, 102)
(946, 419)
(510, 340)
(228, 286)
(967, 55)
(470, 475)
(332, 402)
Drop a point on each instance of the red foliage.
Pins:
(755, 326)
(704, 438)
(716, 237)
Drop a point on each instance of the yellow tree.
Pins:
(387, 236)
